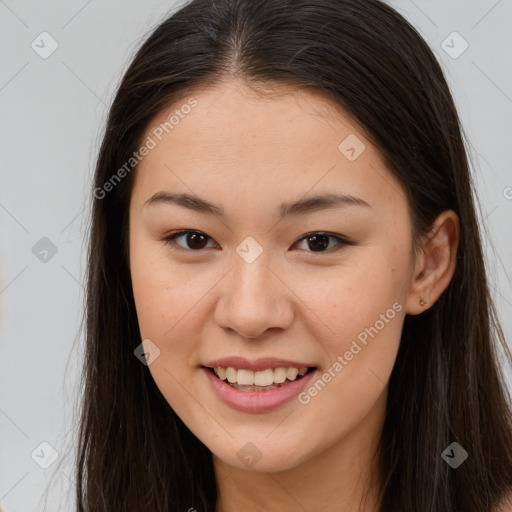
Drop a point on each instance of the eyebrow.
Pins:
(300, 207)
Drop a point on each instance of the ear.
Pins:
(435, 264)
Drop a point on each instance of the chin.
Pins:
(252, 456)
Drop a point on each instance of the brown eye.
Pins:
(319, 241)
(197, 241)
(194, 240)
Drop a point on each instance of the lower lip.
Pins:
(257, 401)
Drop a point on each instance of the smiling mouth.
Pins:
(245, 387)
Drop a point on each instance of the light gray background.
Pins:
(52, 113)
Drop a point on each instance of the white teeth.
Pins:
(291, 373)
(263, 377)
(231, 375)
(279, 375)
(245, 378)
(259, 378)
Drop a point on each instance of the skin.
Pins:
(249, 154)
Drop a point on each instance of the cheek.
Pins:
(362, 317)
(171, 301)
(156, 305)
(160, 290)
(355, 298)
(358, 316)
(167, 301)
(166, 307)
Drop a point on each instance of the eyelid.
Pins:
(169, 239)
(343, 241)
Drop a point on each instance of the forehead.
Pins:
(237, 144)
(282, 118)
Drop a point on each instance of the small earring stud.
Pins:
(423, 302)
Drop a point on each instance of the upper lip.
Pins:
(262, 363)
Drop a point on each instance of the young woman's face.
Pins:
(259, 279)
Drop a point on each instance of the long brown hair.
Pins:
(134, 452)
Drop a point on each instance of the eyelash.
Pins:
(170, 240)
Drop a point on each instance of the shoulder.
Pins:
(506, 504)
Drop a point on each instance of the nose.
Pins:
(254, 298)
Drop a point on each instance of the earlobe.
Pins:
(435, 265)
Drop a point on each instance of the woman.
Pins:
(287, 301)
